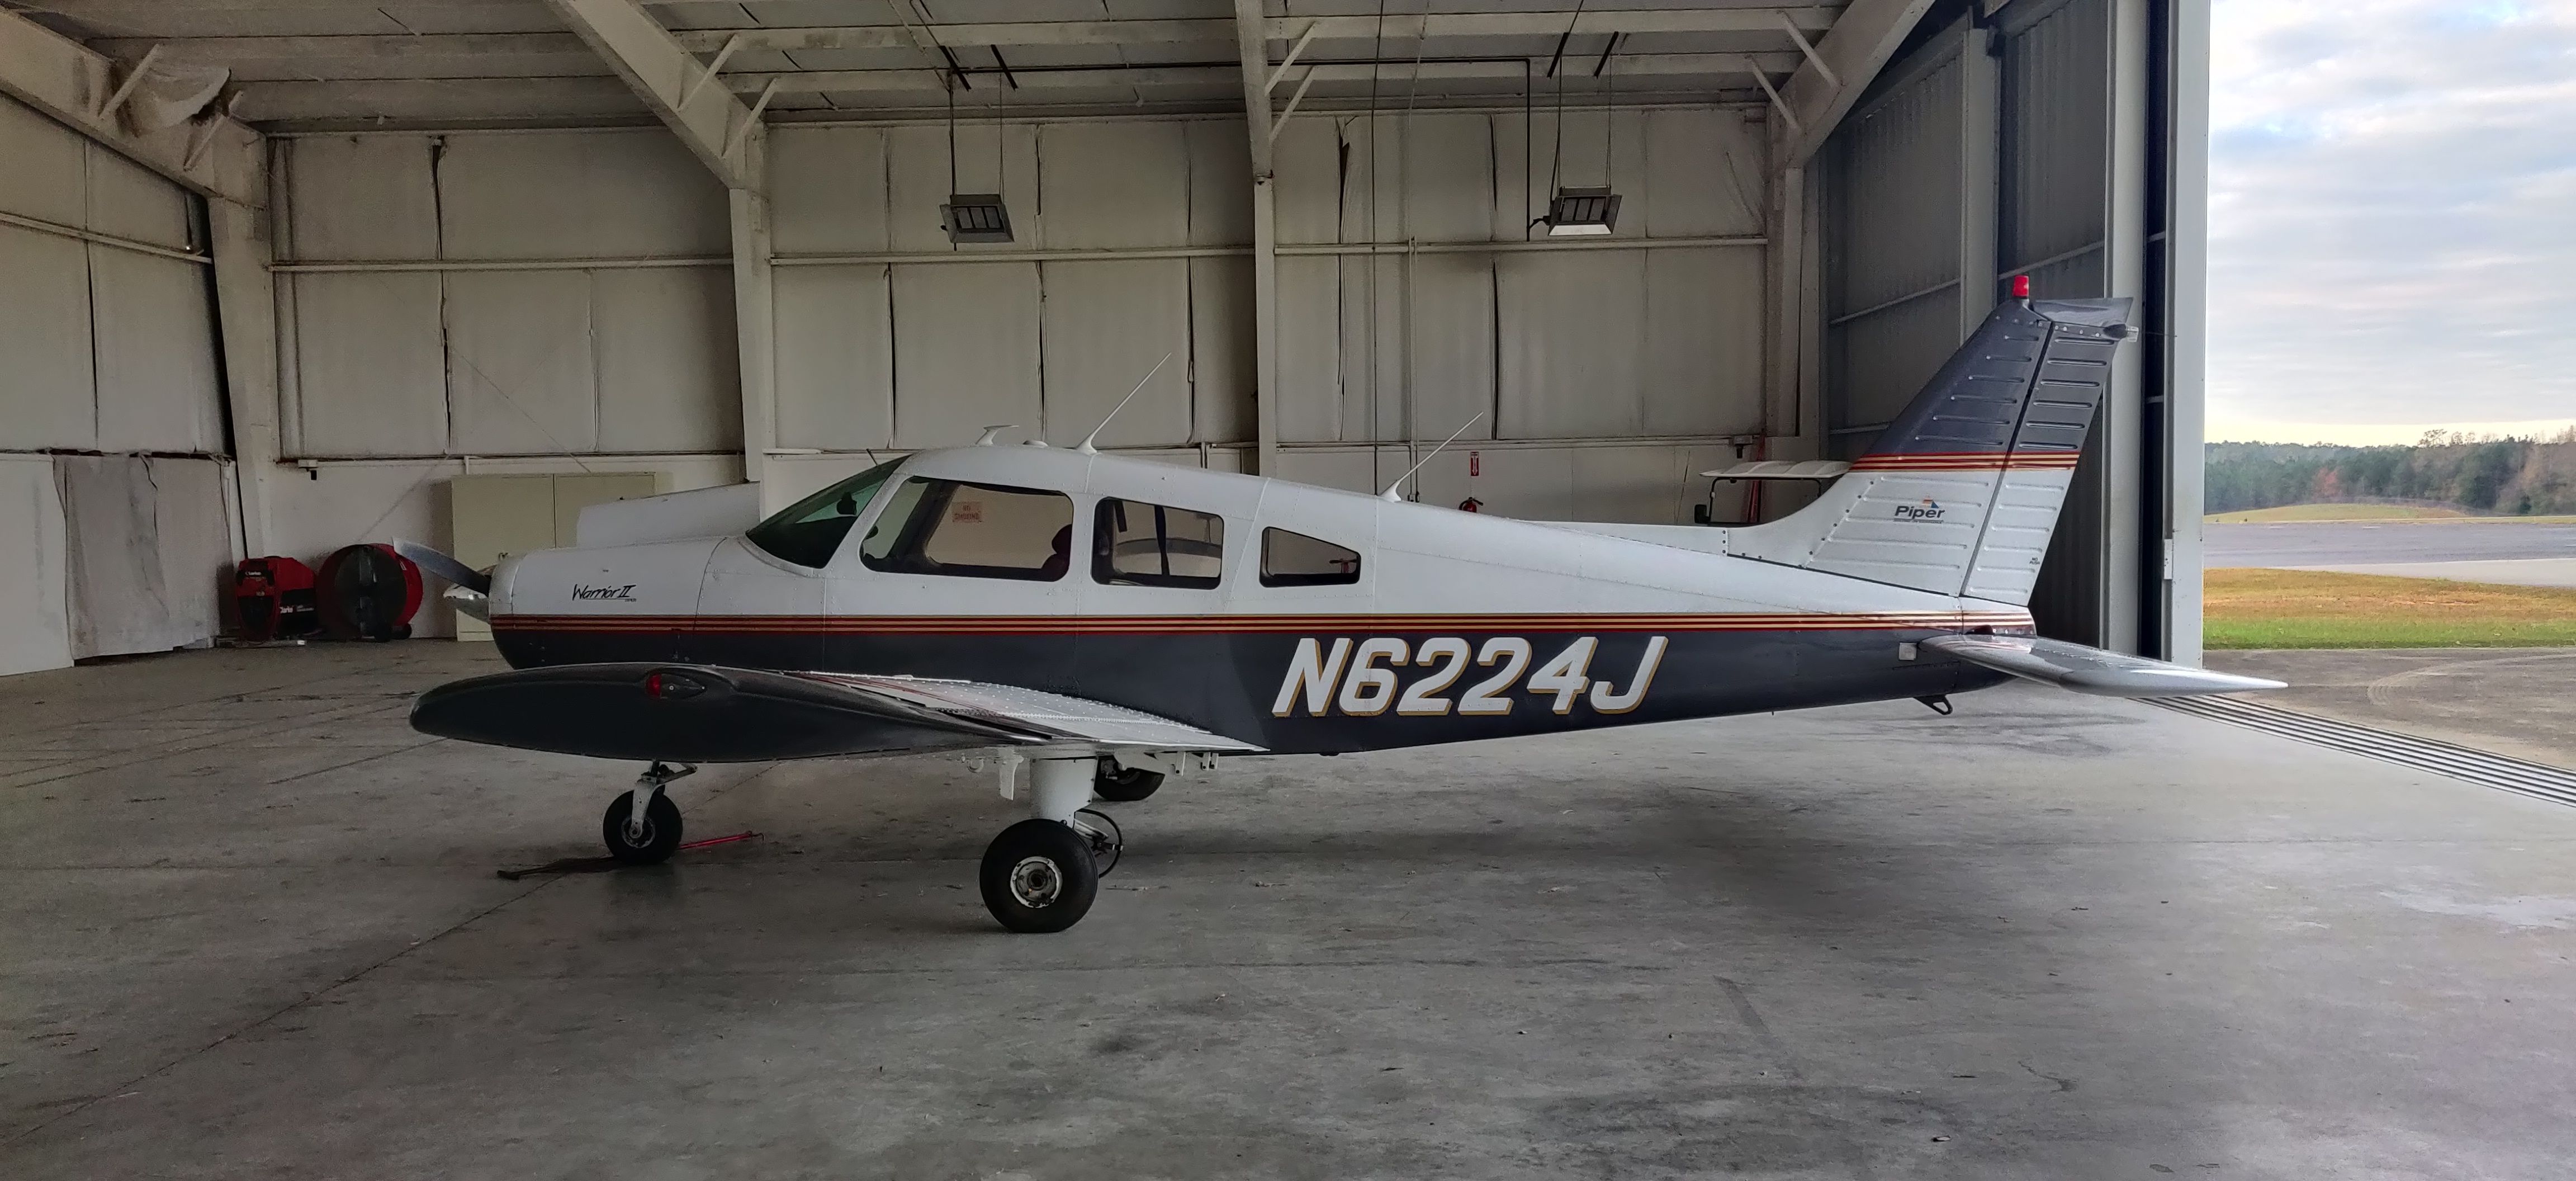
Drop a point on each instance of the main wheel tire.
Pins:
(1124, 785)
(655, 844)
(1038, 877)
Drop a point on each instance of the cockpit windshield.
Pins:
(809, 531)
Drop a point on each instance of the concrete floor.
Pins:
(251, 929)
(2513, 701)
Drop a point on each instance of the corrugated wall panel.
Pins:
(128, 200)
(522, 375)
(361, 197)
(1896, 196)
(1573, 343)
(1108, 185)
(594, 194)
(1308, 162)
(1705, 172)
(46, 396)
(45, 178)
(669, 376)
(1894, 222)
(1221, 348)
(155, 348)
(1310, 349)
(1220, 183)
(1450, 338)
(835, 357)
(371, 367)
(966, 351)
(827, 190)
(1703, 362)
(2056, 99)
(1106, 325)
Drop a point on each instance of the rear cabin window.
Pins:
(810, 530)
(1294, 559)
(1139, 544)
(968, 530)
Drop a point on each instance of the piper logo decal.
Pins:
(623, 594)
(1358, 679)
(1928, 510)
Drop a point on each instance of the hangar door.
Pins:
(2001, 145)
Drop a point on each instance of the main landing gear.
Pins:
(642, 827)
(1041, 874)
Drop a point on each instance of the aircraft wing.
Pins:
(699, 713)
(2090, 670)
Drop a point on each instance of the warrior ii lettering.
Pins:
(624, 594)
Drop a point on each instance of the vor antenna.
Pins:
(1086, 447)
(1389, 494)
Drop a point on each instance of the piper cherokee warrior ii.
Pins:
(1108, 622)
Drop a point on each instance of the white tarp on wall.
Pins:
(145, 547)
(35, 626)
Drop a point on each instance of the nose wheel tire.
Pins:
(1124, 784)
(1039, 877)
(650, 839)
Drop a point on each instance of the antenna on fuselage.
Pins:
(992, 432)
(1389, 494)
(1086, 447)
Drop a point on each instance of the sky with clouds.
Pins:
(2392, 216)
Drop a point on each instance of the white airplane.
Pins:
(1108, 622)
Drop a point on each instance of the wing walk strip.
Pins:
(1967, 461)
(2520, 776)
(1256, 624)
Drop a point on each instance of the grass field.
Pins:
(2365, 512)
(2334, 512)
(2319, 609)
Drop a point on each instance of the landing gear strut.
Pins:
(642, 827)
(1041, 874)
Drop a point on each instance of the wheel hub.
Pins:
(1036, 882)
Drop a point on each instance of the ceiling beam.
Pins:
(710, 119)
(1039, 77)
(213, 153)
(1217, 31)
(1850, 57)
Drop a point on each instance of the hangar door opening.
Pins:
(2001, 143)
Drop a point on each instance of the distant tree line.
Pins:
(2478, 473)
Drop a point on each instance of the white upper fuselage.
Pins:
(1417, 560)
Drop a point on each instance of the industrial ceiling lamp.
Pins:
(974, 217)
(1576, 212)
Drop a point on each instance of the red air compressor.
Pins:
(274, 599)
(369, 592)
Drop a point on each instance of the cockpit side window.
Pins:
(809, 531)
(1294, 559)
(1140, 544)
(966, 530)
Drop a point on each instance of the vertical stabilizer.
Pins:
(1961, 491)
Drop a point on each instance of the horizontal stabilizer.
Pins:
(2090, 670)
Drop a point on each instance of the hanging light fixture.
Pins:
(1575, 213)
(975, 217)
(1579, 212)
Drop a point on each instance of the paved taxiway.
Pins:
(251, 929)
